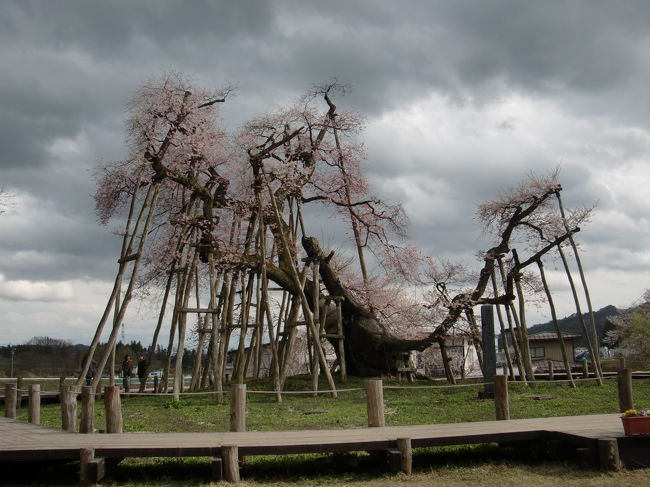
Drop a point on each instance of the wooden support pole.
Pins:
(34, 404)
(230, 455)
(92, 469)
(585, 369)
(155, 384)
(375, 402)
(113, 407)
(551, 371)
(404, 447)
(68, 399)
(489, 350)
(86, 455)
(87, 422)
(501, 402)
(608, 455)
(238, 407)
(341, 343)
(11, 399)
(625, 400)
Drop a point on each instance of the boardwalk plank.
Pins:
(32, 442)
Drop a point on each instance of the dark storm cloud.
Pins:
(69, 67)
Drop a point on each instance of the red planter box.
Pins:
(636, 425)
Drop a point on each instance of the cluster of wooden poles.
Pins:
(240, 302)
(512, 318)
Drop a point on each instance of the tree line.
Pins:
(43, 356)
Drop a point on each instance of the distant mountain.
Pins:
(572, 323)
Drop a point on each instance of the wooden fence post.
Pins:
(34, 404)
(113, 407)
(501, 402)
(375, 402)
(230, 455)
(238, 407)
(551, 370)
(68, 399)
(87, 421)
(20, 384)
(625, 400)
(11, 397)
(585, 369)
(404, 447)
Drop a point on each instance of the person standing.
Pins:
(127, 371)
(92, 369)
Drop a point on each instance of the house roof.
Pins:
(552, 336)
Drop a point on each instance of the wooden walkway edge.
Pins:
(21, 441)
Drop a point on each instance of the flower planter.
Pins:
(636, 425)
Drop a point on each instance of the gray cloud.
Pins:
(463, 99)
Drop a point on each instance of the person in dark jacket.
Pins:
(92, 369)
(127, 371)
(142, 368)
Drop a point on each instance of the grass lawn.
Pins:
(405, 403)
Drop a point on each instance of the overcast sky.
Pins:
(463, 99)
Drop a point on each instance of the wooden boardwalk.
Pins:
(21, 441)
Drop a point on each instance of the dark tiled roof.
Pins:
(552, 336)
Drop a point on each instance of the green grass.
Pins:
(404, 404)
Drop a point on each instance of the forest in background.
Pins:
(50, 357)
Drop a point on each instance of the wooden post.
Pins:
(404, 447)
(230, 455)
(621, 363)
(238, 407)
(34, 404)
(501, 403)
(20, 384)
(341, 343)
(113, 407)
(87, 422)
(625, 400)
(155, 384)
(92, 469)
(68, 399)
(86, 455)
(11, 398)
(551, 370)
(489, 350)
(375, 401)
(585, 369)
(608, 454)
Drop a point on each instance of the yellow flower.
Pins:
(630, 413)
